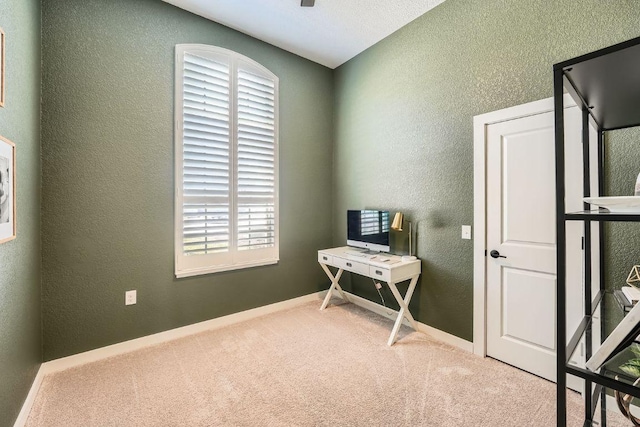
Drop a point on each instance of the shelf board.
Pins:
(606, 81)
(602, 215)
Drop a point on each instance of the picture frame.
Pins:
(8, 186)
(2, 66)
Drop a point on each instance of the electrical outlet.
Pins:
(130, 297)
(466, 232)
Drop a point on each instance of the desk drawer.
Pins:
(379, 273)
(325, 259)
(350, 265)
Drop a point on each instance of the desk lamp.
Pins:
(398, 219)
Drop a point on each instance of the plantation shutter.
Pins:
(226, 161)
(256, 161)
(206, 143)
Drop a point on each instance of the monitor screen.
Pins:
(368, 229)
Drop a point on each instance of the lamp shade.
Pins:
(397, 221)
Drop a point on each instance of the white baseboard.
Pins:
(31, 397)
(172, 334)
(64, 363)
(79, 359)
(429, 330)
(61, 364)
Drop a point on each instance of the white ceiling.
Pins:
(330, 33)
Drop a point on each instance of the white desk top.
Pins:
(380, 259)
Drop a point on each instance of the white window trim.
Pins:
(268, 257)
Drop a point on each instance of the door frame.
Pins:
(480, 123)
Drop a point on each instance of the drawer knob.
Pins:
(379, 273)
(349, 264)
(324, 258)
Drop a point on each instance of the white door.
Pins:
(520, 226)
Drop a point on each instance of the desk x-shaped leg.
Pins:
(404, 309)
(334, 285)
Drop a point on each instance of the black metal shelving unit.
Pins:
(606, 86)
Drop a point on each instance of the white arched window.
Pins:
(226, 176)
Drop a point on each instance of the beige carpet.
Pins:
(300, 367)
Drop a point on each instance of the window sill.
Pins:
(222, 268)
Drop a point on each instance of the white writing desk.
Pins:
(392, 271)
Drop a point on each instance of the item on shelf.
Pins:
(622, 300)
(632, 293)
(616, 204)
(624, 403)
(632, 368)
(623, 335)
(634, 275)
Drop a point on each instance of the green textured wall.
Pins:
(622, 240)
(107, 149)
(404, 129)
(20, 331)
